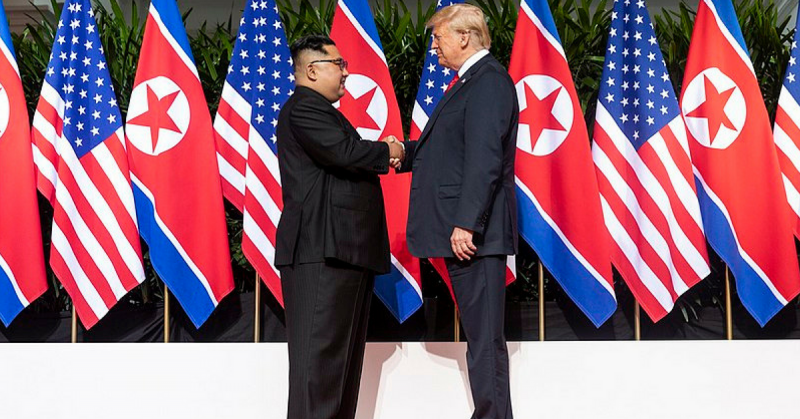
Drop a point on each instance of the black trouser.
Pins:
(480, 289)
(327, 307)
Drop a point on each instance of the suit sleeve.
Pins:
(408, 161)
(487, 117)
(322, 136)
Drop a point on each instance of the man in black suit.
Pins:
(332, 237)
(463, 203)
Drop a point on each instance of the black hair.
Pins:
(309, 43)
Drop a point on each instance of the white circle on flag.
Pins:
(549, 140)
(168, 104)
(357, 85)
(5, 110)
(735, 109)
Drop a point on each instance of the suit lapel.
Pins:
(449, 95)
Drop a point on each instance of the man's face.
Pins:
(447, 45)
(330, 74)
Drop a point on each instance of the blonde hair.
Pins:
(464, 18)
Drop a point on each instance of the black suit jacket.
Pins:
(332, 199)
(463, 166)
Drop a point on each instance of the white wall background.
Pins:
(550, 380)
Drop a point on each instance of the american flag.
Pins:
(83, 170)
(432, 87)
(260, 79)
(787, 132)
(641, 155)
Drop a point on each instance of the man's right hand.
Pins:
(396, 151)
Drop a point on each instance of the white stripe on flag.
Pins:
(792, 195)
(419, 116)
(171, 237)
(230, 174)
(231, 136)
(747, 258)
(656, 191)
(44, 166)
(631, 252)
(260, 240)
(85, 286)
(13, 280)
(172, 42)
(118, 180)
(362, 32)
(239, 104)
(643, 222)
(262, 150)
(538, 23)
(575, 253)
(407, 275)
(259, 192)
(89, 241)
(787, 146)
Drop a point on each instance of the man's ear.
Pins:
(463, 39)
(311, 72)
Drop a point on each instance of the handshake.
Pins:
(397, 152)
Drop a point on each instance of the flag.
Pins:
(644, 171)
(22, 276)
(739, 185)
(432, 87)
(558, 200)
(371, 107)
(260, 79)
(174, 169)
(787, 133)
(83, 170)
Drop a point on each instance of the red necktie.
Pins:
(452, 83)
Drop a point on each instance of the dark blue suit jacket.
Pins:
(463, 166)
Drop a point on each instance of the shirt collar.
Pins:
(471, 61)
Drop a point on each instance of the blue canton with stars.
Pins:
(636, 88)
(261, 67)
(435, 78)
(77, 70)
(790, 82)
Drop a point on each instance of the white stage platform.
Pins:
(552, 380)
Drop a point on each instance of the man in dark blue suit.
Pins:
(463, 204)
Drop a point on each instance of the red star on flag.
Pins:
(713, 109)
(156, 116)
(538, 114)
(357, 109)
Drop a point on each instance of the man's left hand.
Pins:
(461, 243)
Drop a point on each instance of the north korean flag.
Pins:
(174, 170)
(739, 182)
(22, 274)
(371, 106)
(558, 198)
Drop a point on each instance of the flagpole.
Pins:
(257, 332)
(637, 321)
(541, 302)
(74, 325)
(457, 324)
(728, 313)
(166, 314)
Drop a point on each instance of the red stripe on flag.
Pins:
(267, 178)
(254, 255)
(648, 206)
(60, 269)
